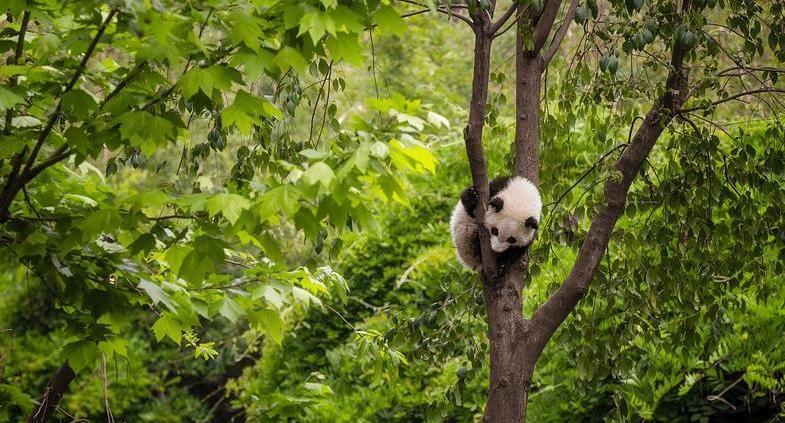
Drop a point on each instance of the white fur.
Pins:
(521, 201)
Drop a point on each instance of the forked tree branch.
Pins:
(544, 25)
(547, 318)
(503, 20)
(560, 33)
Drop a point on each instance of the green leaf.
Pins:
(271, 248)
(114, 345)
(305, 296)
(10, 146)
(320, 173)
(168, 326)
(98, 222)
(255, 64)
(156, 294)
(80, 354)
(8, 99)
(245, 28)
(318, 388)
(247, 110)
(233, 115)
(230, 309)
(77, 137)
(268, 321)
(389, 20)
(308, 223)
(316, 24)
(230, 205)
(288, 57)
(146, 131)
(79, 103)
(284, 197)
(193, 81)
(346, 47)
(270, 294)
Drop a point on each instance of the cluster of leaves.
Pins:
(100, 95)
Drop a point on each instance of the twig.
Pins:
(326, 104)
(498, 24)
(20, 43)
(769, 90)
(316, 104)
(56, 114)
(447, 11)
(585, 174)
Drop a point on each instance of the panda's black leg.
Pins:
(469, 198)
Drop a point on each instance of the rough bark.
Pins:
(52, 393)
(527, 115)
(472, 134)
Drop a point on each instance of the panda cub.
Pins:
(512, 218)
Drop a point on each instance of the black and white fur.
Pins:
(512, 218)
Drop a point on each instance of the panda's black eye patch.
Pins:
(494, 231)
(531, 223)
(511, 240)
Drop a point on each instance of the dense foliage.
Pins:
(238, 210)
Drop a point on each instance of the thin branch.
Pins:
(20, 43)
(173, 216)
(769, 90)
(521, 13)
(57, 156)
(326, 104)
(56, 114)
(119, 87)
(506, 17)
(447, 11)
(316, 104)
(746, 70)
(562, 31)
(415, 13)
(585, 174)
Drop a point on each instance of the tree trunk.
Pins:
(528, 71)
(52, 394)
(512, 359)
(510, 374)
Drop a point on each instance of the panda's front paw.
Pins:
(469, 199)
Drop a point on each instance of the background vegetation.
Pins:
(253, 227)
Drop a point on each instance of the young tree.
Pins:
(672, 38)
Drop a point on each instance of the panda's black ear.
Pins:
(531, 222)
(497, 203)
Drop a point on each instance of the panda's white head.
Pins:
(513, 215)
